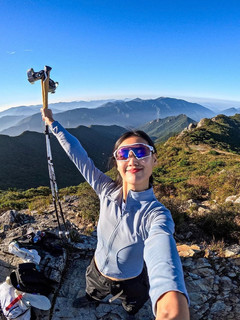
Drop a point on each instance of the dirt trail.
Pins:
(203, 148)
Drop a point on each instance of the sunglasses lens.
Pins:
(140, 151)
(122, 154)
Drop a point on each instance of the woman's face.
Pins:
(136, 173)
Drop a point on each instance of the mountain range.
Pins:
(56, 107)
(23, 161)
(127, 114)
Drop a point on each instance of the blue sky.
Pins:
(120, 49)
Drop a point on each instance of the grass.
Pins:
(13, 199)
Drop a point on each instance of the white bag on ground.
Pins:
(19, 310)
(27, 255)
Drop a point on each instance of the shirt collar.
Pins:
(146, 195)
(141, 195)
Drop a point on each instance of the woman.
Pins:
(135, 245)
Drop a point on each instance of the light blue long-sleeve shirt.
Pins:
(142, 230)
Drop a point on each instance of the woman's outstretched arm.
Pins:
(95, 177)
(167, 288)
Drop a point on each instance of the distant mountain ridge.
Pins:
(8, 121)
(230, 111)
(23, 160)
(59, 107)
(128, 114)
(161, 129)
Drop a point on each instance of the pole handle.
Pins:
(45, 86)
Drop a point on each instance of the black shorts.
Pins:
(133, 292)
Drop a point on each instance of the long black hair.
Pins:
(126, 135)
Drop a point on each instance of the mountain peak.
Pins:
(137, 100)
(221, 132)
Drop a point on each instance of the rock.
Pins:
(201, 123)
(189, 251)
(203, 263)
(192, 202)
(226, 283)
(232, 251)
(212, 281)
(218, 307)
(203, 210)
(205, 272)
(237, 200)
(234, 199)
(232, 274)
(70, 198)
(194, 276)
(191, 126)
(237, 261)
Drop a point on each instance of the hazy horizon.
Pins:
(211, 103)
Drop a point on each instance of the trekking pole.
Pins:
(53, 182)
(48, 85)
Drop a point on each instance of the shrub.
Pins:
(184, 163)
(159, 171)
(220, 223)
(177, 209)
(197, 188)
(213, 152)
(165, 190)
(13, 205)
(39, 204)
(89, 208)
(33, 192)
(69, 190)
(216, 163)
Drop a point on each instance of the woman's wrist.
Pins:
(49, 121)
(47, 116)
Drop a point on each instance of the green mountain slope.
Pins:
(201, 163)
(23, 161)
(162, 129)
(219, 132)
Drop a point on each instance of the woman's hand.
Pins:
(172, 306)
(47, 116)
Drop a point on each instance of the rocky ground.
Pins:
(213, 280)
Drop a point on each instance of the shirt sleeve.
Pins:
(162, 259)
(95, 177)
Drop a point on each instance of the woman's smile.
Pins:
(134, 170)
